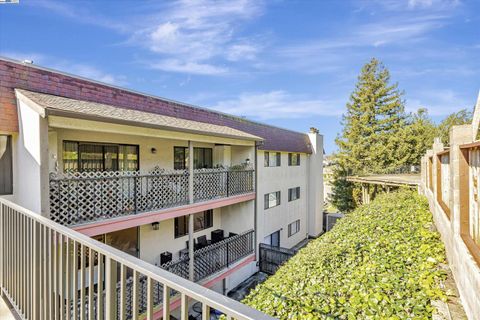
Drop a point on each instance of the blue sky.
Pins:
(288, 63)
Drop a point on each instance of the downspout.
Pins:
(308, 196)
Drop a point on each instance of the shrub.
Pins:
(379, 262)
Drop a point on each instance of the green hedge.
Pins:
(379, 262)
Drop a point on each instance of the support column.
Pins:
(363, 194)
(367, 193)
(191, 245)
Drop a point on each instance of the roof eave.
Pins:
(67, 114)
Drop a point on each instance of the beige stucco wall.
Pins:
(164, 148)
(236, 218)
(153, 242)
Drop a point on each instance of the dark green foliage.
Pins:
(380, 262)
(417, 137)
(342, 191)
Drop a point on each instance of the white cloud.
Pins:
(92, 72)
(278, 104)
(435, 4)
(175, 65)
(191, 36)
(408, 5)
(79, 13)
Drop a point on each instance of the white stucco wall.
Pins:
(315, 185)
(238, 217)
(271, 179)
(30, 160)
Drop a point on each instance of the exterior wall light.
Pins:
(156, 225)
(247, 161)
(153, 150)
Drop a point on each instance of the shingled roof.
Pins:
(61, 106)
(14, 74)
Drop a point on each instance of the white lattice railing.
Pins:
(215, 257)
(47, 269)
(81, 197)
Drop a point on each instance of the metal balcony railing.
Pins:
(48, 271)
(81, 197)
(215, 257)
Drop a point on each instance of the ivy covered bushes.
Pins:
(379, 262)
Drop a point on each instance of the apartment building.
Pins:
(116, 165)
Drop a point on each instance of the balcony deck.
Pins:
(80, 198)
(215, 257)
(69, 274)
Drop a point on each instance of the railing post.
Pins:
(135, 202)
(191, 244)
(36, 274)
(110, 289)
(228, 255)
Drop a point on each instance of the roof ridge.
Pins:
(184, 104)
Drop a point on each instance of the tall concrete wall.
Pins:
(463, 265)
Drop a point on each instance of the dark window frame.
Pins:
(293, 194)
(185, 164)
(207, 216)
(7, 167)
(267, 200)
(271, 236)
(103, 145)
(297, 227)
(278, 161)
(291, 157)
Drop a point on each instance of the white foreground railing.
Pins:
(46, 269)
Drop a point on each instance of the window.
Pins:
(273, 239)
(6, 168)
(272, 199)
(202, 158)
(272, 159)
(82, 156)
(293, 194)
(179, 158)
(293, 228)
(201, 221)
(294, 159)
(125, 240)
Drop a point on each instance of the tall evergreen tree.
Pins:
(370, 138)
(375, 115)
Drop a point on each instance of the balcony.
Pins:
(85, 197)
(215, 257)
(49, 271)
